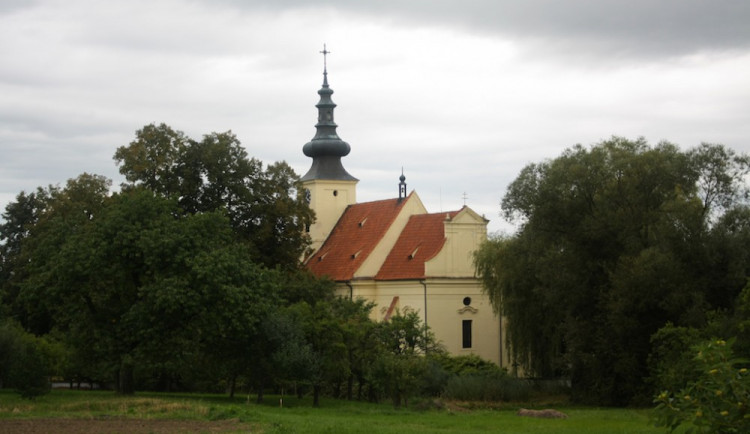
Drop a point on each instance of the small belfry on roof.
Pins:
(402, 186)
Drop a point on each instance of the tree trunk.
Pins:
(360, 386)
(350, 387)
(260, 386)
(316, 395)
(232, 384)
(125, 377)
(396, 396)
(372, 395)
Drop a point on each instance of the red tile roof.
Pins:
(420, 241)
(358, 231)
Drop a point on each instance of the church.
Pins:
(394, 252)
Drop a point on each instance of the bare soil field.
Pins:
(120, 426)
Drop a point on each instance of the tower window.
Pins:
(467, 301)
(466, 333)
(335, 192)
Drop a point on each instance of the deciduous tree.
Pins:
(215, 173)
(613, 242)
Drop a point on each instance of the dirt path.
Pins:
(119, 426)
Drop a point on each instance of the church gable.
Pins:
(421, 239)
(464, 232)
(372, 264)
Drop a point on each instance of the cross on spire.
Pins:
(465, 196)
(325, 53)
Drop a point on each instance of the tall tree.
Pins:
(59, 214)
(613, 243)
(152, 160)
(215, 173)
(143, 286)
(19, 218)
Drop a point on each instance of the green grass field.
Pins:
(298, 416)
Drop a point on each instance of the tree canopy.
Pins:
(187, 278)
(614, 241)
(182, 265)
(215, 173)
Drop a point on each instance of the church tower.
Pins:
(329, 188)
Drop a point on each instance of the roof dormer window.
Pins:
(413, 254)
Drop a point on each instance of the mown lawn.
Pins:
(298, 416)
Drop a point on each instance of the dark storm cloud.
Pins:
(635, 28)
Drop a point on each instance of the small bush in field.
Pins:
(487, 387)
(716, 400)
(467, 364)
(25, 364)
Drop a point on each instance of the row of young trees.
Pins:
(615, 243)
(187, 278)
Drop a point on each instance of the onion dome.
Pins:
(326, 148)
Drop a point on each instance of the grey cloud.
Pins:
(640, 28)
(10, 6)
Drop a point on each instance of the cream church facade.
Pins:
(394, 252)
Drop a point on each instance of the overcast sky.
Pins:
(461, 94)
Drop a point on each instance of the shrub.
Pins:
(434, 377)
(25, 363)
(487, 387)
(469, 364)
(716, 400)
(670, 363)
(29, 372)
(10, 344)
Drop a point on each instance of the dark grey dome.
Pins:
(326, 148)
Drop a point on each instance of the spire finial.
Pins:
(325, 54)
(465, 196)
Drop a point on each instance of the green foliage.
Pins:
(614, 242)
(11, 341)
(215, 174)
(26, 362)
(716, 399)
(469, 364)
(151, 160)
(670, 362)
(17, 220)
(442, 369)
(49, 218)
(133, 283)
(487, 387)
(434, 376)
(399, 366)
(471, 378)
